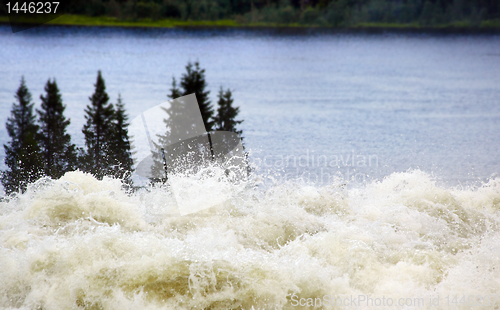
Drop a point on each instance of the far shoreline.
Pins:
(486, 27)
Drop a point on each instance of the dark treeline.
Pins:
(40, 145)
(193, 82)
(223, 119)
(338, 13)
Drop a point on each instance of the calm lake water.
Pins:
(314, 106)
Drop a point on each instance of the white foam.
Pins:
(78, 242)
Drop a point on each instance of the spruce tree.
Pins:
(193, 81)
(194, 151)
(22, 153)
(58, 153)
(180, 124)
(175, 92)
(98, 131)
(158, 173)
(226, 113)
(120, 149)
(181, 120)
(225, 120)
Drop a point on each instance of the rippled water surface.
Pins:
(327, 102)
(374, 179)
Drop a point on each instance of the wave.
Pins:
(81, 243)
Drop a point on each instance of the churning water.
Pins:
(363, 228)
(82, 243)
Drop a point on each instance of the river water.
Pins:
(410, 122)
(356, 106)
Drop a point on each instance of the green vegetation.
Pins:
(191, 82)
(226, 114)
(98, 130)
(290, 13)
(22, 153)
(105, 21)
(106, 136)
(120, 146)
(58, 153)
(43, 147)
(46, 149)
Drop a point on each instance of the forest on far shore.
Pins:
(330, 13)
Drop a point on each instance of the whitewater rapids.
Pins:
(81, 243)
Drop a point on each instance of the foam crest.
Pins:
(81, 243)
(78, 195)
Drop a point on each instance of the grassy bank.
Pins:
(104, 21)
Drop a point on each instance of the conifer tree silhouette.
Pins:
(119, 146)
(59, 154)
(23, 157)
(193, 81)
(98, 132)
(225, 119)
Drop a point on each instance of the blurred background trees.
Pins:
(185, 127)
(98, 131)
(58, 153)
(193, 82)
(225, 119)
(108, 151)
(120, 145)
(22, 154)
(42, 147)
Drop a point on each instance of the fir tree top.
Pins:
(226, 113)
(99, 128)
(175, 92)
(58, 152)
(22, 120)
(120, 148)
(193, 81)
(22, 153)
(99, 98)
